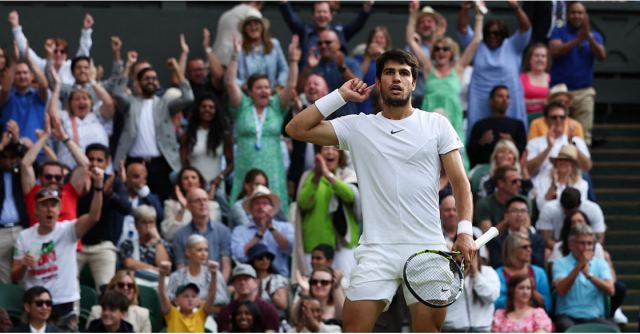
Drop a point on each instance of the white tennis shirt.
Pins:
(398, 166)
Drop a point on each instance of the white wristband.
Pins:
(330, 103)
(465, 227)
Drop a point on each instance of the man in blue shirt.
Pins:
(573, 48)
(276, 235)
(582, 282)
(22, 103)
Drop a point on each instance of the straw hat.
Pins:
(428, 10)
(262, 191)
(567, 152)
(253, 15)
(557, 90)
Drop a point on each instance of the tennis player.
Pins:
(397, 155)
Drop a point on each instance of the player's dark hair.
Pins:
(495, 89)
(327, 250)
(400, 56)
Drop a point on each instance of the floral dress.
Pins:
(538, 320)
(265, 153)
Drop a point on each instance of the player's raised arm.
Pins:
(309, 125)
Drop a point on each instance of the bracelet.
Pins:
(208, 50)
(271, 229)
(330, 103)
(258, 235)
(98, 189)
(465, 227)
(66, 140)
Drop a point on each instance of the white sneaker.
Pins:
(619, 317)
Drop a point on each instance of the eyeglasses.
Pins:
(515, 181)
(525, 247)
(60, 51)
(325, 42)
(444, 48)
(149, 79)
(41, 303)
(557, 117)
(123, 285)
(321, 282)
(50, 177)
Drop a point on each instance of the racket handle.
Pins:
(486, 237)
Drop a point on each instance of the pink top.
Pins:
(538, 320)
(533, 92)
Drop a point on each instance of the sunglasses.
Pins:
(60, 51)
(516, 181)
(122, 285)
(444, 48)
(325, 42)
(50, 177)
(525, 247)
(558, 117)
(321, 282)
(262, 257)
(41, 303)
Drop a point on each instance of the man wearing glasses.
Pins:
(541, 148)
(37, 306)
(490, 210)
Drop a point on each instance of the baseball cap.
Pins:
(46, 194)
(184, 287)
(243, 270)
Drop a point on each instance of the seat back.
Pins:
(148, 298)
(11, 297)
(593, 327)
(88, 298)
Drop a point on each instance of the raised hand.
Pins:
(97, 176)
(123, 171)
(184, 47)
(116, 44)
(132, 58)
(50, 47)
(414, 7)
(213, 266)
(180, 197)
(487, 137)
(513, 3)
(87, 23)
(355, 90)
(312, 58)
(165, 268)
(29, 261)
(206, 38)
(14, 19)
(237, 44)
(294, 51)
(172, 64)
(13, 130)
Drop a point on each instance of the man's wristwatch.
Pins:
(258, 235)
(271, 228)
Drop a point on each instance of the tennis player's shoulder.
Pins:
(430, 116)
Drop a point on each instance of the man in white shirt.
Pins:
(397, 154)
(45, 253)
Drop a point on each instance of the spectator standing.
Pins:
(176, 210)
(124, 282)
(535, 80)
(486, 132)
(260, 54)
(37, 305)
(245, 286)
(379, 41)
(582, 282)
(13, 212)
(217, 235)
(496, 62)
(227, 26)
(276, 235)
(148, 133)
(203, 80)
(540, 126)
(573, 48)
(57, 48)
(19, 101)
(520, 315)
(330, 203)
(258, 123)
(322, 18)
(442, 67)
(516, 254)
(46, 253)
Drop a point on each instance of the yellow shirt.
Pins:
(540, 128)
(180, 323)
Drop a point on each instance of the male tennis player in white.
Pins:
(397, 155)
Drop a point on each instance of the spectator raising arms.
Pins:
(496, 62)
(520, 315)
(258, 123)
(535, 80)
(379, 41)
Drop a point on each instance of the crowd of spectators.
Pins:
(188, 187)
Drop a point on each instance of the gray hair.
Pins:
(144, 212)
(195, 239)
(580, 229)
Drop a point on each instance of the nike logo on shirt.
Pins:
(393, 132)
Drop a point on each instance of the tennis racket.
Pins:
(434, 277)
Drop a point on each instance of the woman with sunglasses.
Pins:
(496, 62)
(124, 282)
(272, 287)
(521, 315)
(443, 70)
(324, 285)
(516, 256)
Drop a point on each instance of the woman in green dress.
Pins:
(443, 71)
(258, 119)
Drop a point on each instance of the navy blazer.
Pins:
(24, 328)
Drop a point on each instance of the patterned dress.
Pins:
(266, 156)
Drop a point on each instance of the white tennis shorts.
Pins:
(379, 271)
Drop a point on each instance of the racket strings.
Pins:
(434, 278)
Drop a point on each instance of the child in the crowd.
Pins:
(114, 310)
(187, 315)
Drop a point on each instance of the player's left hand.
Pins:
(465, 245)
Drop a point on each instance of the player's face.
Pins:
(523, 291)
(396, 84)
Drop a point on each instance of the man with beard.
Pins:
(573, 48)
(397, 154)
(486, 133)
(148, 133)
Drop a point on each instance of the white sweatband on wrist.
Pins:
(329, 103)
(465, 227)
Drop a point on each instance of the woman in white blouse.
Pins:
(565, 173)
